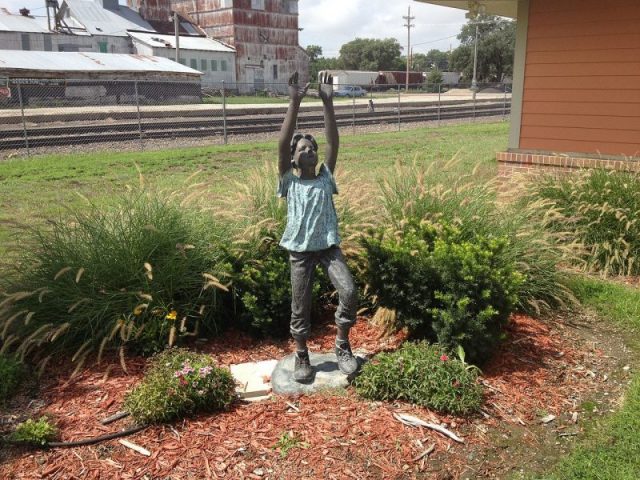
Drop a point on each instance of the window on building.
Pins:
(47, 43)
(226, 3)
(275, 72)
(203, 65)
(26, 41)
(292, 6)
(257, 4)
(214, 65)
(182, 61)
(223, 65)
(103, 47)
(194, 63)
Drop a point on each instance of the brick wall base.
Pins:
(514, 163)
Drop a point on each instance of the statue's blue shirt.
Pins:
(312, 223)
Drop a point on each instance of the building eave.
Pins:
(502, 8)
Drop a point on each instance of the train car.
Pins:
(342, 78)
(397, 77)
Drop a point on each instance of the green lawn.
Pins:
(37, 188)
(611, 450)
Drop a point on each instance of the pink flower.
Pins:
(177, 374)
(204, 371)
(444, 357)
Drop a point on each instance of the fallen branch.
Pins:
(412, 421)
(134, 447)
(425, 453)
(114, 417)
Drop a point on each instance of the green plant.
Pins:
(11, 373)
(288, 441)
(445, 193)
(422, 374)
(33, 432)
(179, 383)
(442, 286)
(137, 274)
(600, 209)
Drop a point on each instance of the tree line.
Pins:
(496, 45)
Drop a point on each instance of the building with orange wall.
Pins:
(576, 91)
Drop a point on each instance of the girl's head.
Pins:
(304, 151)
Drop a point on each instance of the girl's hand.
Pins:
(295, 92)
(325, 85)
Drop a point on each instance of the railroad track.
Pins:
(153, 128)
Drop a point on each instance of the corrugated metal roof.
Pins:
(186, 42)
(88, 62)
(101, 21)
(20, 23)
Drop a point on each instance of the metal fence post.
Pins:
(504, 109)
(474, 105)
(353, 115)
(24, 124)
(224, 113)
(398, 107)
(439, 97)
(135, 84)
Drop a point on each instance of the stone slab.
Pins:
(254, 379)
(327, 375)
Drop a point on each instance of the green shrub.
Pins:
(442, 286)
(11, 375)
(443, 193)
(179, 383)
(422, 374)
(129, 274)
(601, 210)
(35, 433)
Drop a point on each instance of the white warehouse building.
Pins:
(214, 59)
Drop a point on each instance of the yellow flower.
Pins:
(172, 315)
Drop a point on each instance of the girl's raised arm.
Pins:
(330, 127)
(296, 95)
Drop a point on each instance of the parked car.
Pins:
(350, 91)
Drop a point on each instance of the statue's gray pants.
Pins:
(303, 265)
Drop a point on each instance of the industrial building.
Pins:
(216, 61)
(80, 77)
(263, 32)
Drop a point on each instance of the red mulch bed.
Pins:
(344, 437)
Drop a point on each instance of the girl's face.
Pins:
(305, 155)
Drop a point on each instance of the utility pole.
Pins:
(176, 26)
(474, 81)
(409, 26)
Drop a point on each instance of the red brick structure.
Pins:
(576, 93)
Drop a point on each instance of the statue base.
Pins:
(327, 375)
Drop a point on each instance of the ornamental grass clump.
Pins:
(35, 432)
(424, 375)
(138, 274)
(601, 210)
(11, 375)
(179, 383)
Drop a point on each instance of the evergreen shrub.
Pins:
(11, 375)
(35, 432)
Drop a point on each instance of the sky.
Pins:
(332, 23)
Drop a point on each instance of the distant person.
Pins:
(371, 109)
(311, 235)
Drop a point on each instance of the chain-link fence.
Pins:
(42, 114)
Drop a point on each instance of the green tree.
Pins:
(496, 45)
(318, 63)
(370, 54)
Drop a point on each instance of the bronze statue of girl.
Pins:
(311, 235)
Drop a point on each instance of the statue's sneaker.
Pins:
(347, 363)
(302, 371)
